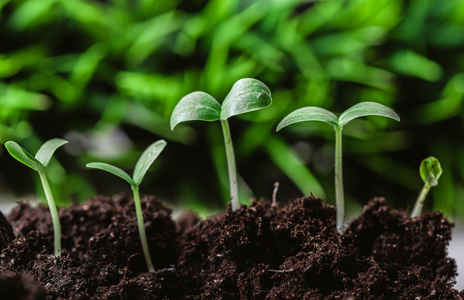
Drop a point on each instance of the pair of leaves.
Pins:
(245, 96)
(145, 161)
(42, 158)
(430, 171)
(312, 113)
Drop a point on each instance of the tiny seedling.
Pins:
(245, 96)
(313, 113)
(274, 194)
(141, 168)
(40, 163)
(430, 171)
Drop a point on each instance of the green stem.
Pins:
(141, 225)
(53, 212)
(420, 201)
(230, 164)
(340, 201)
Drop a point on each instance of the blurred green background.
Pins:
(106, 75)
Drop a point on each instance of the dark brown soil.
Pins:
(256, 252)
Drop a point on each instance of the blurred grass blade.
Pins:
(283, 156)
(139, 115)
(31, 13)
(410, 63)
(449, 106)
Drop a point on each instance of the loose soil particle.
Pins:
(256, 252)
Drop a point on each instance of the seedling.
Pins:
(313, 113)
(40, 163)
(245, 96)
(430, 171)
(141, 168)
(274, 194)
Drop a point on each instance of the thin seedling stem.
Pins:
(141, 225)
(230, 164)
(274, 194)
(53, 212)
(340, 201)
(420, 201)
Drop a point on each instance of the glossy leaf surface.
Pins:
(196, 106)
(23, 156)
(246, 95)
(147, 159)
(364, 109)
(47, 150)
(111, 169)
(310, 113)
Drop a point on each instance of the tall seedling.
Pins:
(40, 163)
(141, 168)
(245, 96)
(313, 113)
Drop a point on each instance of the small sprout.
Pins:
(40, 163)
(430, 171)
(274, 194)
(141, 167)
(245, 96)
(313, 113)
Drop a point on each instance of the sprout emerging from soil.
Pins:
(430, 171)
(40, 163)
(141, 168)
(274, 194)
(245, 96)
(313, 113)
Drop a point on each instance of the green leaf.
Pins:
(23, 156)
(310, 113)
(430, 171)
(364, 109)
(111, 169)
(147, 159)
(245, 96)
(45, 152)
(196, 106)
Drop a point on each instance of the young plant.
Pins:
(141, 167)
(40, 163)
(430, 171)
(312, 113)
(245, 96)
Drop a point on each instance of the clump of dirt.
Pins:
(255, 252)
(20, 287)
(6, 232)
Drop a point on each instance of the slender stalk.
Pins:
(339, 197)
(420, 201)
(230, 164)
(53, 212)
(274, 194)
(141, 225)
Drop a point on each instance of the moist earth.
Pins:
(256, 252)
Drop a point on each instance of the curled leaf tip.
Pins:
(430, 171)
